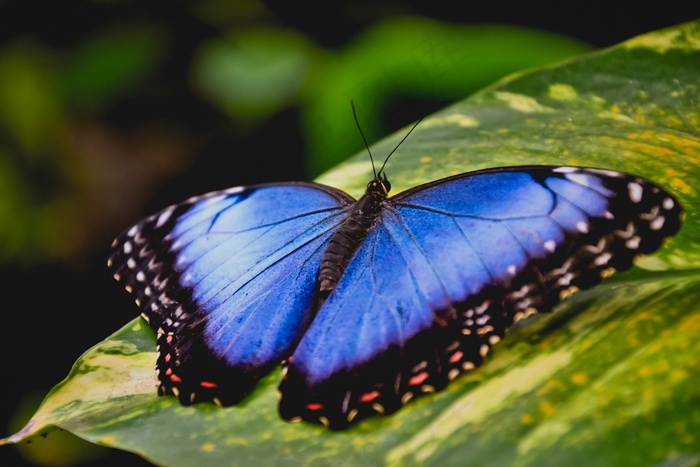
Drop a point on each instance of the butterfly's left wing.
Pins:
(449, 266)
(227, 280)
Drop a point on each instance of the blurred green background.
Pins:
(112, 109)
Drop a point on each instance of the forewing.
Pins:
(227, 281)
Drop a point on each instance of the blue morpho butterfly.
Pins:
(371, 302)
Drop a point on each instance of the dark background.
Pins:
(58, 306)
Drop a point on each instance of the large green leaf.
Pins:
(610, 378)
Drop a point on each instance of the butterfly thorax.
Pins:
(350, 234)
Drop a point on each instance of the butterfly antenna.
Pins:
(397, 146)
(357, 122)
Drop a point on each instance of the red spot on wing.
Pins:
(456, 357)
(369, 396)
(314, 406)
(418, 379)
(208, 384)
(175, 379)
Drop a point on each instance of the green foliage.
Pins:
(255, 73)
(416, 58)
(48, 190)
(610, 378)
(110, 64)
(62, 166)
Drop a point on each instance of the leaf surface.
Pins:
(609, 378)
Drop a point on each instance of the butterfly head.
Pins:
(379, 185)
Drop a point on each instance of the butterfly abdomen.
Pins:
(350, 234)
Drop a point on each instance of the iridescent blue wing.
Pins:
(449, 266)
(227, 280)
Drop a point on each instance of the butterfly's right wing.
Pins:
(449, 266)
(227, 281)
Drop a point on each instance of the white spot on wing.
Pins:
(234, 190)
(651, 215)
(483, 307)
(628, 232)
(422, 365)
(550, 245)
(607, 173)
(602, 259)
(565, 280)
(633, 243)
(163, 217)
(518, 294)
(635, 191)
(668, 204)
(657, 223)
(580, 178)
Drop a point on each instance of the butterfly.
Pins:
(369, 303)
